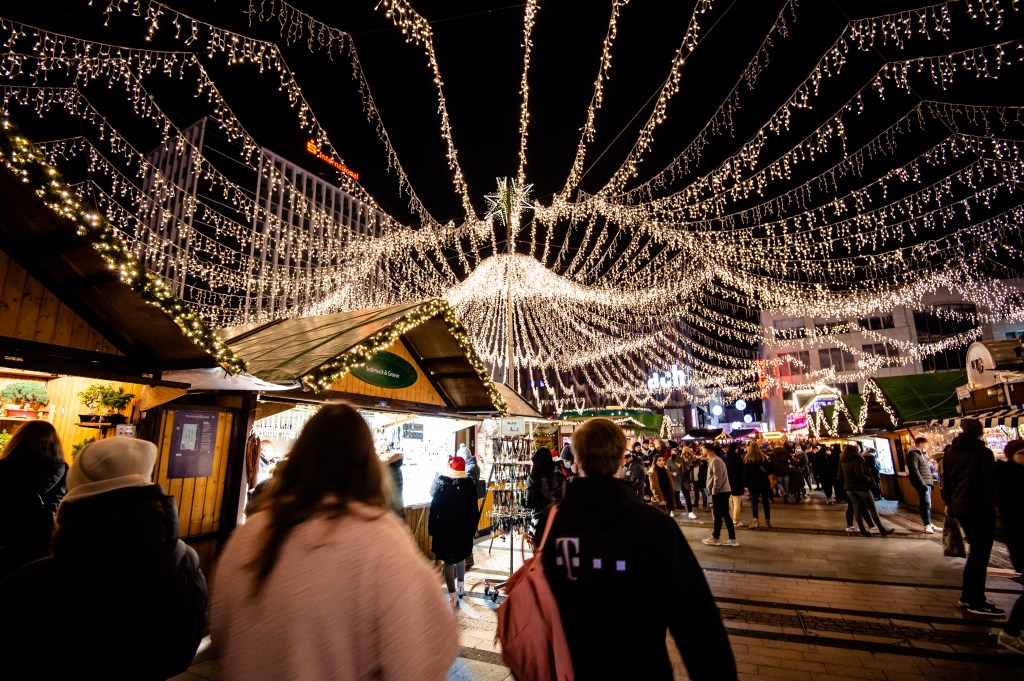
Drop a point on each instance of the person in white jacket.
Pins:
(324, 582)
(720, 490)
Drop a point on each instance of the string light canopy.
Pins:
(834, 163)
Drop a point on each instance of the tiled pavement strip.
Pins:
(803, 600)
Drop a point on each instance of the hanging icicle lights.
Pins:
(818, 210)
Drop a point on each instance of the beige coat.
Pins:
(348, 599)
(657, 495)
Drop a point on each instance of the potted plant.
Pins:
(22, 399)
(105, 402)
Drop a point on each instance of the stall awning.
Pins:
(517, 404)
(1008, 416)
(922, 397)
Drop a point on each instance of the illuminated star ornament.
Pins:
(509, 202)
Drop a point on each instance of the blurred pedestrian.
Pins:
(452, 524)
(920, 473)
(603, 542)
(33, 480)
(1009, 479)
(719, 489)
(970, 498)
(734, 466)
(299, 592)
(857, 484)
(661, 485)
(757, 478)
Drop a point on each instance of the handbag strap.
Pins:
(547, 527)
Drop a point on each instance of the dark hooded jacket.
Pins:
(602, 541)
(31, 488)
(453, 518)
(130, 596)
(545, 483)
(967, 480)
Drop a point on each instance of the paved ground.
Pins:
(802, 601)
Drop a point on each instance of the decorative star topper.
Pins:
(509, 201)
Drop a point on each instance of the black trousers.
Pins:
(721, 513)
(980, 531)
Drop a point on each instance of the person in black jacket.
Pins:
(823, 472)
(545, 483)
(920, 474)
(33, 480)
(634, 472)
(1009, 487)
(130, 594)
(757, 471)
(452, 524)
(970, 497)
(602, 541)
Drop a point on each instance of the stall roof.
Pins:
(1008, 416)
(517, 404)
(297, 349)
(49, 248)
(642, 421)
(922, 397)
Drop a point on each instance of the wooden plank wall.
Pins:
(29, 311)
(421, 391)
(65, 406)
(199, 500)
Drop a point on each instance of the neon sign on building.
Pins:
(312, 148)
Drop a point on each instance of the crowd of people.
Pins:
(709, 476)
(324, 580)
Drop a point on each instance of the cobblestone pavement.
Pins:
(801, 601)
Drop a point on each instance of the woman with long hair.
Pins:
(33, 480)
(661, 485)
(757, 471)
(310, 586)
(858, 488)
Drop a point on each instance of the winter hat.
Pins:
(457, 464)
(109, 464)
(1012, 447)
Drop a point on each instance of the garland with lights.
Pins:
(20, 157)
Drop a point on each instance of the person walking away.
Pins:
(871, 468)
(719, 489)
(544, 481)
(920, 474)
(393, 460)
(688, 462)
(1009, 477)
(757, 478)
(602, 541)
(734, 467)
(701, 479)
(674, 464)
(836, 467)
(823, 472)
(298, 591)
(452, 524)
(33, 480)
(780, 462)
(858, 489)
(970, 498)
(804, 463)
(130, 594)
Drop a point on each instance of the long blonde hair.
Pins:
(754, 453)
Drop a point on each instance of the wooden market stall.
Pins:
(414, 358)
(70, 321)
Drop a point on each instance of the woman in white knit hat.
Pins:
(128, 591)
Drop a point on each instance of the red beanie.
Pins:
(457, 463)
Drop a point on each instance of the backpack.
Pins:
(533, 642)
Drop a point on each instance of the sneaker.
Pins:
(711, 541)
(930, 529)
(754, 524)
(851, 529)
(730, 542)
(887, 531)
(873, 530)
(986, 610)
(671, 514)
(1013, 643)
(739, 523)
(691, 515)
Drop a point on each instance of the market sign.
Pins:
(387, 370)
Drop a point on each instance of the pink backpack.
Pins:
(533, 642)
